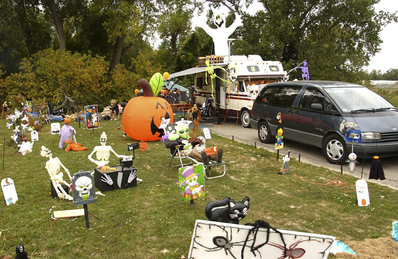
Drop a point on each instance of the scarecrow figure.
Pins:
(4, 111)
(194, 114)
(66, 132)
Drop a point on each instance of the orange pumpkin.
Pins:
(142, 146)
(67, 120)
(143, 115)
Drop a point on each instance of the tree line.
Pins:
(390, 74)
(95, 50)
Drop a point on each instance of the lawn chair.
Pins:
(175, 152)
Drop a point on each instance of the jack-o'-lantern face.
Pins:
(143, 115)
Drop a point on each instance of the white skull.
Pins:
(352, 156)
(83, 186)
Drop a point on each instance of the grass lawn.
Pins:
(151, 220)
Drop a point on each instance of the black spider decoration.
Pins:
(222, 242)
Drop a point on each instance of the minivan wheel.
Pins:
(264, 133)
(334, 149)
(245, 118)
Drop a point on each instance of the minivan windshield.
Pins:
(358, 99)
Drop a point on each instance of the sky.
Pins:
(388, 56)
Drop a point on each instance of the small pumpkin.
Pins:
(142, 146)
(143, 115)
(67, 121)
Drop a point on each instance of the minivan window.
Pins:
(310, 96)
(280, 96)
(352, 99)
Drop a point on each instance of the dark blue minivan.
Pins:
(320, 113)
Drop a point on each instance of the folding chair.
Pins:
(175, 152)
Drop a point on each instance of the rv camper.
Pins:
(236, 82)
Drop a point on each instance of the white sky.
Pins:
(388, 56)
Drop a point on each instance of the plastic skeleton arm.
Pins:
(66, 169)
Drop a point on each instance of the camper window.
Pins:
(199, 83)
(242, 86)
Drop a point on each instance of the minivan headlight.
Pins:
(371, 135)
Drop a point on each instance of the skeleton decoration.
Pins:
(103, 152)
(53, 167)
(285, 167)
(83, 188)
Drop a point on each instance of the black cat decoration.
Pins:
(227, 210)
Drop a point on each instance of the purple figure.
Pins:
(66, 132)
(304, 70)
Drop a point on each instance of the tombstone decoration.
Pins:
(55, 128)
(34, 136)
(10, 194)
(83, 191)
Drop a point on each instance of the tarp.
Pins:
(193, 70)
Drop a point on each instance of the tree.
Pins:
(336, 37)
(56, 74)
(174, 25)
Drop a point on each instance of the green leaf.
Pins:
(156, 83)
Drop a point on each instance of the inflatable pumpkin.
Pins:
(143, 115)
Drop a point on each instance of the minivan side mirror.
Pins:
(316, 107)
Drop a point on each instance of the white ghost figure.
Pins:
(25, 147)
(25, 118)
(352, 161)
(17, 113)
(16, 130)
(221, 34)
(24, 126)
(11, 117)
(83, 186)
(9, 125)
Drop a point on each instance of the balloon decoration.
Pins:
(143, 115)
(166, 75)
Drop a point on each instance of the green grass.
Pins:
(151, 220)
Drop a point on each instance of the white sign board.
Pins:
(10, 194)
(206, 132)
(55, 128)
(213, 239)
(34, 136)
(362, 192)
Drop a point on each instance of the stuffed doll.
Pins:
(181, 140)
(194, 114)
(74, 146)
(66, 132)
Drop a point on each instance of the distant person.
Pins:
(114, 109)
(164, 91)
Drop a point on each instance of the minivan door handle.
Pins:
(291, 111)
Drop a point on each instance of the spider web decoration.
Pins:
(212, 239)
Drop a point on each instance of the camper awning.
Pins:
(193, 70)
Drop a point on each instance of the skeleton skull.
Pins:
(45, 152)
(83, 186)
(103, 138)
